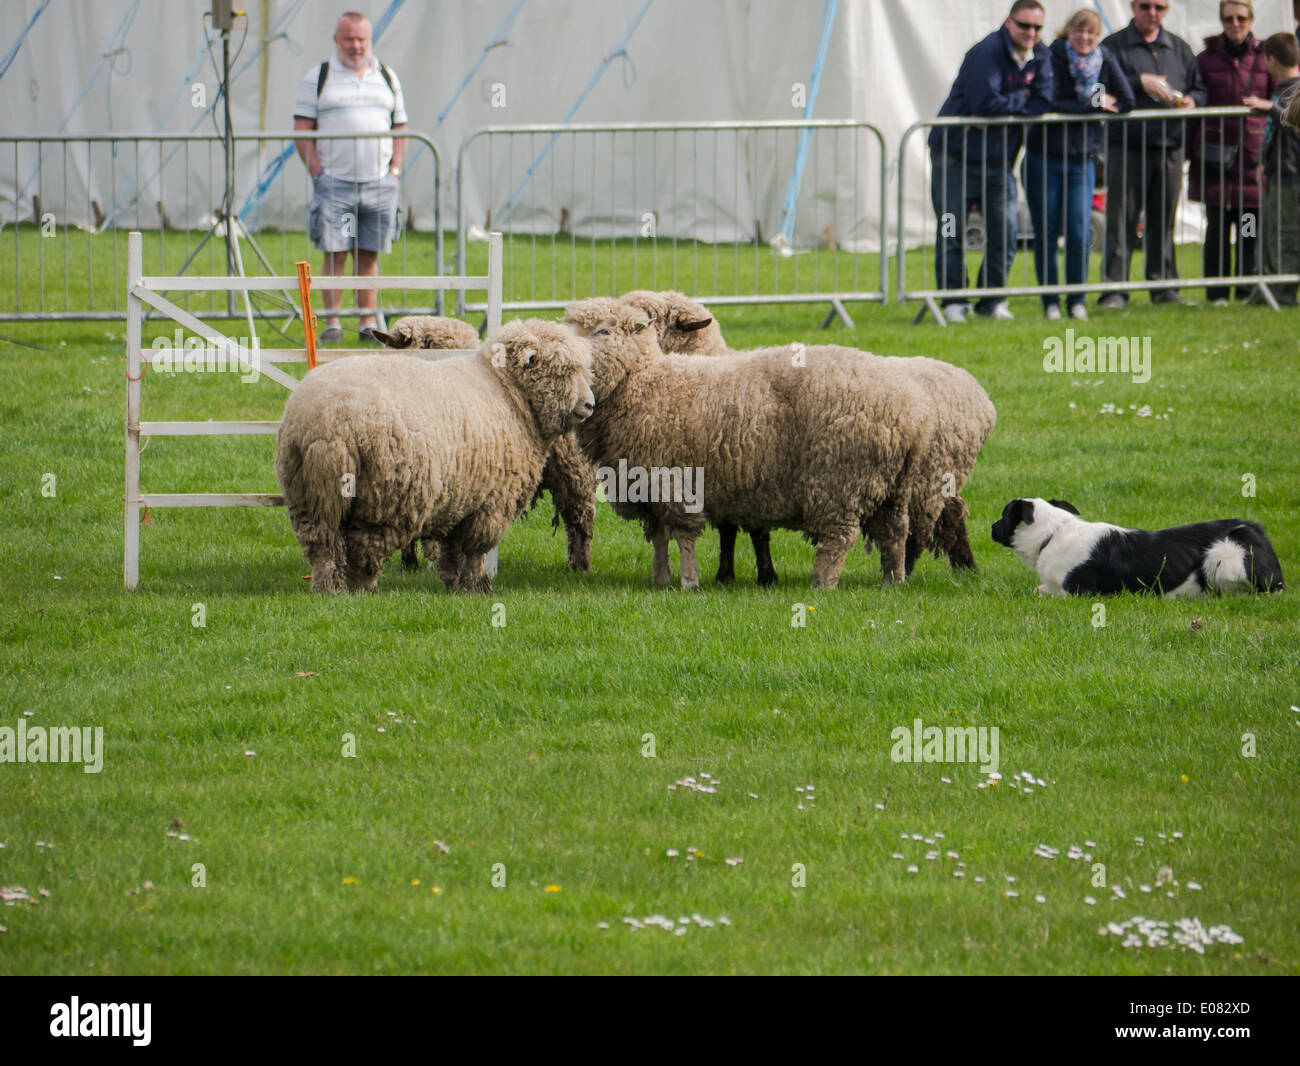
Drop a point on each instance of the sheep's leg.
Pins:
(473, 578)
(888, 526)
(410, 561)
(572, 481)
(661, 567)
(953, 536)
(830, 561)
(690, 568)
(328, 558)
(367, 548)
(449, 560)
(726, 554)
(762, 539)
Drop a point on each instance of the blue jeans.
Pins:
(1053, 182)
(954, 188)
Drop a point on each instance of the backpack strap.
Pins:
(383, 73)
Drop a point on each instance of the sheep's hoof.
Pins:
(768, 578)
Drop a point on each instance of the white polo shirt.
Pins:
(353, 103)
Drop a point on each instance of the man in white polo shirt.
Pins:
(355, 182)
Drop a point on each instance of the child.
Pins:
(1280, 165)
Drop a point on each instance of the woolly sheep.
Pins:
(569, 477)
(687, 327)
(373, 450)
(966, 418)
(826, 443)
(429, 331)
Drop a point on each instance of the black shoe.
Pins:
(1171, 297)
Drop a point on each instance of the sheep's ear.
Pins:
(526, 358)
(389, 339)
(691, 325)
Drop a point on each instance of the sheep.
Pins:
(429, 331)
(823, 439)
(569, 477)
(686, 327)
(965, 418)
(373, 450)
(966, 414)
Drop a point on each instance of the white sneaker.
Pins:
(1078, 312)
(1053, 312)
(1000, 311)
(1218, 303)
(955, 314)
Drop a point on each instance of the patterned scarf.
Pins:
(1086, 70)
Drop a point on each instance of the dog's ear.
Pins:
(1064, 505)
(1023, 513)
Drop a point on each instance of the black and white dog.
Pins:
(1082, 558)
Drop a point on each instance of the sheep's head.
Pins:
(684, 326)
(429, 331)
(550, 366)
(621, 340)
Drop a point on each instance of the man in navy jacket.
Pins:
(1008, 73)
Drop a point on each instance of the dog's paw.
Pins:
(1043, 590)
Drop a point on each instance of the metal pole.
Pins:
(135, 271)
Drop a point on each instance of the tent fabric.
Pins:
(890, 63)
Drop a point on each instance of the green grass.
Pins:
(521, 744)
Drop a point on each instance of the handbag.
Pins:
(1219, 157)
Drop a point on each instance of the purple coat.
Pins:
(1228, 80)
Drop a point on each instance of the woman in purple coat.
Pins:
(1224, 151)
(1059, 170)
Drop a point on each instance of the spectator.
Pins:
(1280, 164)
(1144, 160)
(1059, 160)
(355, 182)
(1007, 73)
(1225, 151)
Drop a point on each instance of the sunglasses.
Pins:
(1152, 7)
(1028, 27)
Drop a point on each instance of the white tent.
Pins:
(890, 62)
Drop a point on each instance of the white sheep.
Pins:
(824, 439)
(374, 450)
(569, 477)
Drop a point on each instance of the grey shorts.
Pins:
(346, 215)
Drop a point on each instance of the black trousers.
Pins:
(1142, 185)
(1220, 222)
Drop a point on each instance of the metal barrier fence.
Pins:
(973, 206)
(95, 187)
(730, 212)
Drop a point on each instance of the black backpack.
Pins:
(383, 73)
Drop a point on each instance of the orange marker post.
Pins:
(308, 315)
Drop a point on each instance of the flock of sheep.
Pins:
(378, 452)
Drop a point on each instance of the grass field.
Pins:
(503, 800)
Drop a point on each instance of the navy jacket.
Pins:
(990, 84)
(1076, 139)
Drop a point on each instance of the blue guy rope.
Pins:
(1105, 22)
(115, 42)
(253, 202)
(785, 233)
(619, 50)
(498, 39)
(13, 51)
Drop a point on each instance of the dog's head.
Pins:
(1031, 521)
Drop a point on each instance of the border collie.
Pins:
(1082, 558)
